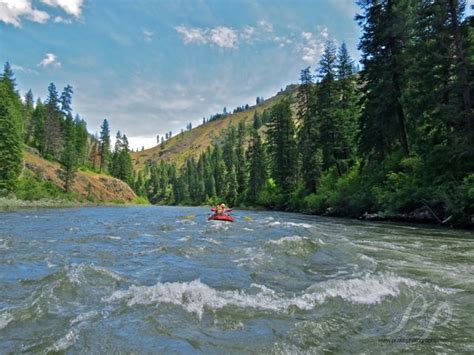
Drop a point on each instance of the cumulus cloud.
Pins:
(50, 59)
(192, 35)
(224, 37)
(71, 7)
(11, 12)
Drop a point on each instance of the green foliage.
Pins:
(140, 200)
(32, 189)
(11, 139)
(270, 196)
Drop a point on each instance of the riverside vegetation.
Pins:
(395, 138)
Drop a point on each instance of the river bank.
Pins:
(11, 204)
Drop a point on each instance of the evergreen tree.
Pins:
(257, 121)
(282, 146)
(81, 140)
(66, 100)
(53, 124)
(240, 166)
(29, 123)
(308, 132)
(105, 146)
(385, 27)
(11, 138)
(257, 167)
(39, 134)
(69, 157)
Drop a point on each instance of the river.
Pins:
(165, 280)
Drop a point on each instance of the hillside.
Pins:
(89, 185)
(195, 141)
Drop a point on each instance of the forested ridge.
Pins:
(394, 138)
(48, 129)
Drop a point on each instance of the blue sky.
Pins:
(152, 66)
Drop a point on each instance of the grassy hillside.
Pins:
(88, 185)
(192, 143)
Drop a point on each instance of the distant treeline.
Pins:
(397, 136)
(50, 128)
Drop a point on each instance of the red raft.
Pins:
(221, 217)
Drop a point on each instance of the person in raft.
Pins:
(221, 209)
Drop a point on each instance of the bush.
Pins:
(270, 196)
(140, 200)
(31, 188)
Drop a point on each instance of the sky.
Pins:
(153, 66)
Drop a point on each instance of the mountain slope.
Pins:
(89, 185)
(195, 141)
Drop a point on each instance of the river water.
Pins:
(165, 280)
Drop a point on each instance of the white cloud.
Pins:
(313, 45)
(71, 7)
(224, 37)
(147, 35)
(49, 59)
(22, 69)
(59, 19)
(248, 33)
(192, 35)
(265, 25)
(11, 12)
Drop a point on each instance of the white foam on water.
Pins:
(5, 319)
(4, 244)
(211, 240)
(290, 224)
(367, 258)
(113, 237)
(248, 229)
(65, 342)
(283, 240)
(185, 239)
(50, 264)
(195, 296)
(84, 317)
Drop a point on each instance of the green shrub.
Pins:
(270, 196)
(31, 188)
(140, 200)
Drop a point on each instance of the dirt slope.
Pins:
(192, 143)
(101, 188)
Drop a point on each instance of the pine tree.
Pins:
(240, 168)
(11, 139)
(257, 167)
(53, 124)
(308, 132)
(39, 133)
(81, 140)
(385, 34)
(104, 146)
(66, 100)
(69, 154)
(282, 146)
(115, 164)
(29, 124)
